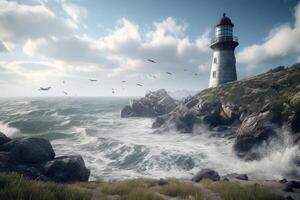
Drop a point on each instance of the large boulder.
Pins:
(254, 130)
(29, 149)
(3, 138)
(185, 122)
(206, 174)
(66, 169)
(153, 104)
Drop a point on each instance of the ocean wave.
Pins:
(8, 130)
(117, 148)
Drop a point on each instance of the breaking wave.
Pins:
(118, 148)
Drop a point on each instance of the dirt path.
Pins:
(208, 194)
(97, 194)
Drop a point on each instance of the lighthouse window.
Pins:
(214, 75)
(215, 60)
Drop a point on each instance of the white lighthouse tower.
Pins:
(223, 44)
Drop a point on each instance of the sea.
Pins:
(116, 148)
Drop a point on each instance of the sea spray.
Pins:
(118, 148)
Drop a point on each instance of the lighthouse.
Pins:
(223, 44)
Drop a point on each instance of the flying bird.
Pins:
(139, 85)
(169, 73)
(150, 60)
(185, 70)
(45, 88)
(65, 92)
(93, 80)
(196, 74)
(152, 76)
(123, 81)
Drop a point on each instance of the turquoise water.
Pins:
(117, 148)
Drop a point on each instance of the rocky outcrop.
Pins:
(255, 110)
(254, 130)
(66, 169)
(152, 105)
(3, 138)
(206, 174)
(35, 158)
(29, 149)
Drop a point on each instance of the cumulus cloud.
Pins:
(18, 22)
(55, 48)
(73, 50)
(76, 12)
(283, 40)
(125, 49)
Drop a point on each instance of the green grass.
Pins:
(17, 187)
(295, 101)
(234, 191)
(131, 189)
(175, 188)
(141, 193)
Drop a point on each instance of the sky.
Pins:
(63, 43)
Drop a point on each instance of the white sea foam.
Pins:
(8, 131)
(116, 148)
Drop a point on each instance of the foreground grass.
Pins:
(175, 188)
(234, 191)
(134, 189)
(17, 187)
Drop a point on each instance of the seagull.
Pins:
(123, 81)
(150, 60)
(112, 90)
(45, 88)
(139, 85)
(169, 73)
(65, 92)
(185, 70)
(93, 80)
(196, 74)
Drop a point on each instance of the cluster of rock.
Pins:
(35, 158)
(254, 111)
(152, 105)
(283, 184)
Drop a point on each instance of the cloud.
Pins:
(18, 22)
(3, 47)
(76, 12)
(73, 50)
(282, 41)
(126, 50)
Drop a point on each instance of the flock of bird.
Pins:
(113, 90)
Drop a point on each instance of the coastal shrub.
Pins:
(174, 188)
(17, 187)
(235, 191)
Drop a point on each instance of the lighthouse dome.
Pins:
(224, 21)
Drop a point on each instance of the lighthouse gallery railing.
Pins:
(224, 39)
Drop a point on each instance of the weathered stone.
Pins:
(29, 149)
(243, 177)
(206, 174)
(66, 169)
(185, 123)
(3, 138)
(283, 181)
(254, 130)
(153, 104)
